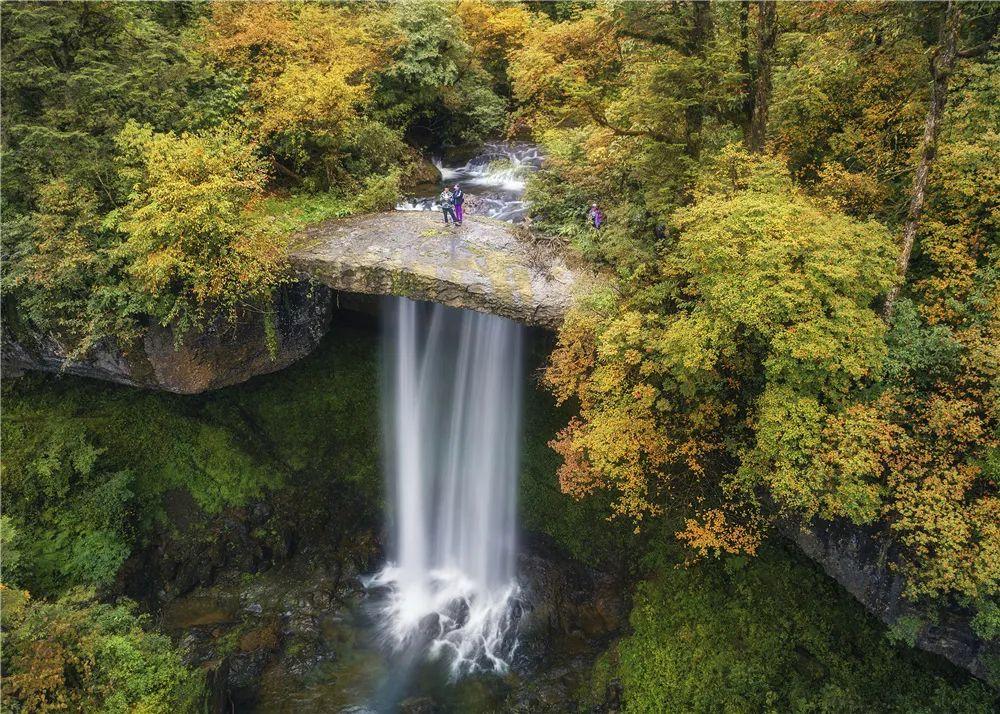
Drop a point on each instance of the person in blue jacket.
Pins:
(447, 201)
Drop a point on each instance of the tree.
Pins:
(311, 72)
(942, 66)
(80, 655)
(191, 242)
(72, 517)
(767, 33)
(73, 74)
(742, 391)
(434, 88)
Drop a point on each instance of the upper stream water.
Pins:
(493, 181)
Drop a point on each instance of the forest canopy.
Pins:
(801, 222)
(802, 204)
(801, 249)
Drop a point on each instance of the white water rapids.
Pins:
(453, 422)
(493, 181)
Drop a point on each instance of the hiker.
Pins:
(596, 216)
(448, 205)
(458, 198)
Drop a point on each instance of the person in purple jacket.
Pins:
(596, 216)
(458, 198)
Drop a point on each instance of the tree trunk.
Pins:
(767, 34)
(747, 107)
(694, 115)
(942, 66)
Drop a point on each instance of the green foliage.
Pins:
(79, 655)
(761, 318)
(74, 74)
(10, 553)
(434, 86)
(317, 418)
(918, 353)
(772, 634)
(73, 516)
(380, 193)
(905, 630)
(986, 622)
(292, 213)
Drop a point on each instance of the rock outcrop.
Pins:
(866, 563)
(223, 354)
(481, 265)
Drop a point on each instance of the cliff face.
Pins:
(865, 563)
(225, 353)
(481, 265)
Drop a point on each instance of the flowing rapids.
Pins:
(493, 181)
(453, 421)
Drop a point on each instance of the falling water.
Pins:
(453, 419)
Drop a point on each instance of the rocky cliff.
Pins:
(482, 265)
(225, 353)
(866, 564)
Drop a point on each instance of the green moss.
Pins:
(318, 418)
(773, 634)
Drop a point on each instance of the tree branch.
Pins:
(601, 119)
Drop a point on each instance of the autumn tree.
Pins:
(742, 392)
(191, 244)
(942, 66)
(77, 654)
(309, 72)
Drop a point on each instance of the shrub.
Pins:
(380, 193)
(76, 654)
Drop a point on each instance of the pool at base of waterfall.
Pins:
(446, 617)
(306, 636)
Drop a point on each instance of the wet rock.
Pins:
(243, 672)
(567, 605)
(422, 172)
(419, 705)
(222, 354)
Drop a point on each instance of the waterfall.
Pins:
(453, 423)
(493, 181)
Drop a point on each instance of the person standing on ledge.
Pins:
(458, 198)
(596, 216)
(447, 205)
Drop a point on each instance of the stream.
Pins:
(493, 182)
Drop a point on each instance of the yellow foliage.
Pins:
(190, 233)
(309, 65)
(713, 535)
